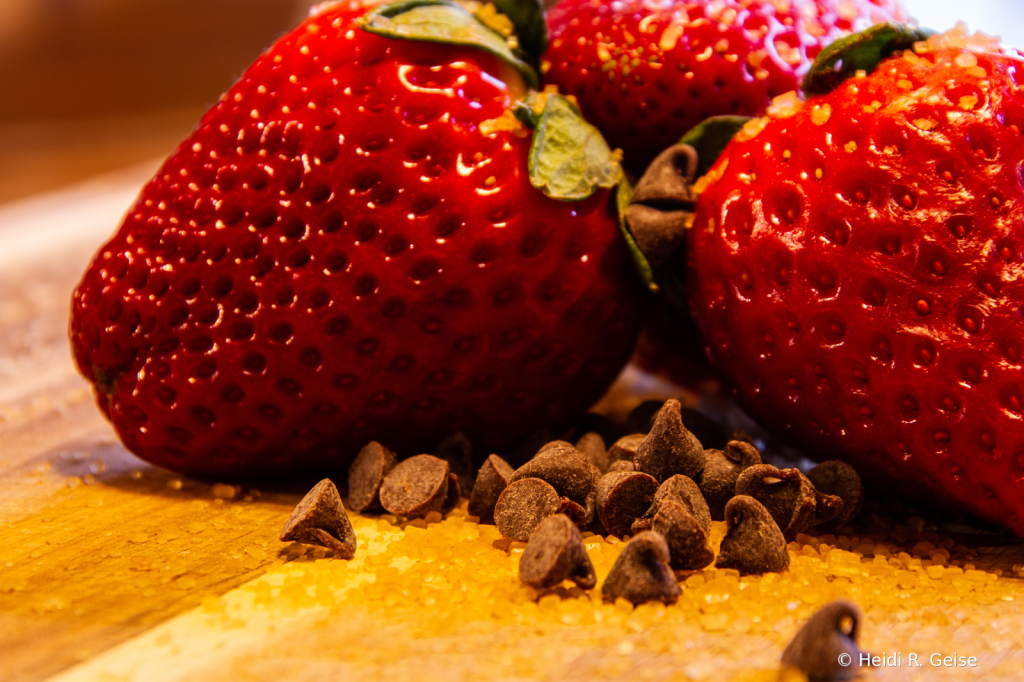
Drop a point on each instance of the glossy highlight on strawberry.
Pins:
(348, 248)
(646, 72)
(855, 268)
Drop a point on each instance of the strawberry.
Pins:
(646, 72)
(854, 265)
(362, 241)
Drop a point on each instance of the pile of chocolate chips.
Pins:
(662, 481)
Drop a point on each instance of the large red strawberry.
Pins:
(645, 72)
(362, 241)
(855, 265)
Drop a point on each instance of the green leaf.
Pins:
(531, 27)
(442, 21)
(859, 52)
(569, 159)
(709, 138)
(623, 195)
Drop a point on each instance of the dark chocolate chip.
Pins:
(320, 519)
(621, 465)
(565, 468)
(366, 474)
(786, 493)
(670, 448)
(492, 478)
(624, 449)
(826, 507)
(718, 480)
(641, 572)
(753, 542)
(826, 640)
(592, 446)
(576, 512)
(839, 479)
(523, 505)
(683, 490)
(551, 446)
(687, 541)
(554, 553)
(708, 432)
(416, 487)
(622, 498)
(458, 452)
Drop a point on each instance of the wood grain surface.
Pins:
(112, 569)
(95, 545)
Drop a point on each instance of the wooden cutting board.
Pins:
(112, 569)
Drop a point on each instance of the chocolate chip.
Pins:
(366, 474)
(320, 519)
(709, 433)
(687, 540)
(565, 468)
(786, 494)
(492, 478)
(641, 572)
(624, 449)
(839, 479)
(753, 542)
(828, 638)
(683, 490)
(458, 452)
(622, 498)
(523, 505)
(592, 446)
(553, 445)
(718, 480)
(669, 448)
(826, 507)
(416, 487)
(554, 553)
(621, 465)
(577, 513)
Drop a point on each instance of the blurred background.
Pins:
(91, 86)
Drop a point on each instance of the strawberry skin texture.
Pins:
(645, 73)
(855, 269)
(338, 254)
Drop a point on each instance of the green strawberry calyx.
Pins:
(710, 137)
(569, 159)
(445, 21)
(859, 52)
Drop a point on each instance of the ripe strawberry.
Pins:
(855, 268)
(349, 248)
(646, 72)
